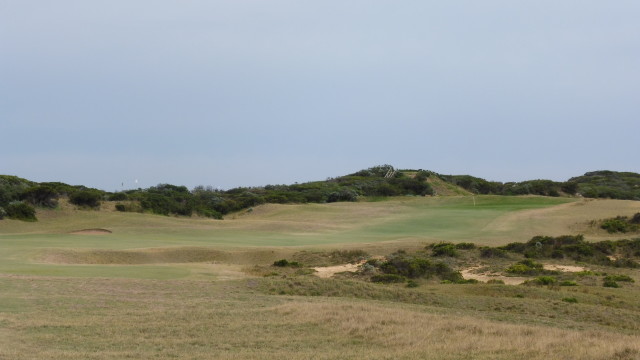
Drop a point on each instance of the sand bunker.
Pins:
(486, 276)
(329, 271)
(91, 232)
(471, 273)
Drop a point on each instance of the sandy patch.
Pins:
(486, 276)
(329, 271)
(564, 268)
(91, 232)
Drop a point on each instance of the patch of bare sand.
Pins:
(329, 271)
(472, 273)
(486, 276)
(564, 268)
(92, 232)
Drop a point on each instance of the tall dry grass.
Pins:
(411, 334)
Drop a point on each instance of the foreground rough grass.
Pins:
(70, 318)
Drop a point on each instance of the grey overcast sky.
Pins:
(255, 92)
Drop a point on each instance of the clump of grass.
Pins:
(624, 278)
(286, 263)
(608, 282)
(465, 246)
(545, 280)
(412, 284)
(620, 224)
(568, 283)
(571, 300)
(444, 249)
(528, 267)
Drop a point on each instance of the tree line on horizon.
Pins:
(20, 197)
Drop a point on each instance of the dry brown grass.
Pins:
(412, 334)
(65, 318)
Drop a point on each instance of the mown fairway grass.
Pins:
(175, 288)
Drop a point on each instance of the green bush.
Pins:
(86, 198)
(3, 213)
(623, 278)
(18, 210)
(286, 263)
(465, 246)
(444, 249)
(281, 263)
(41, 195)
(570, 300)
(528, 267)
(545, 280)
(416, 267)
(118, 196)
(121, 207)
(412, 284)
(608, 282)
(618, 224)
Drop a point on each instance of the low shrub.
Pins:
(118, 196)
(286, 263)
(608, 282)
(465, 246)
(527, 267)
(412, 284)
(121, 207)
(18, 210)
(571, 300)
(623, 278)
(545, 280)
(618, 224)
(86, 198)
(444, 249)
(413, 267)
(41, 195)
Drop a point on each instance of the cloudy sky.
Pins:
(254, 92)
